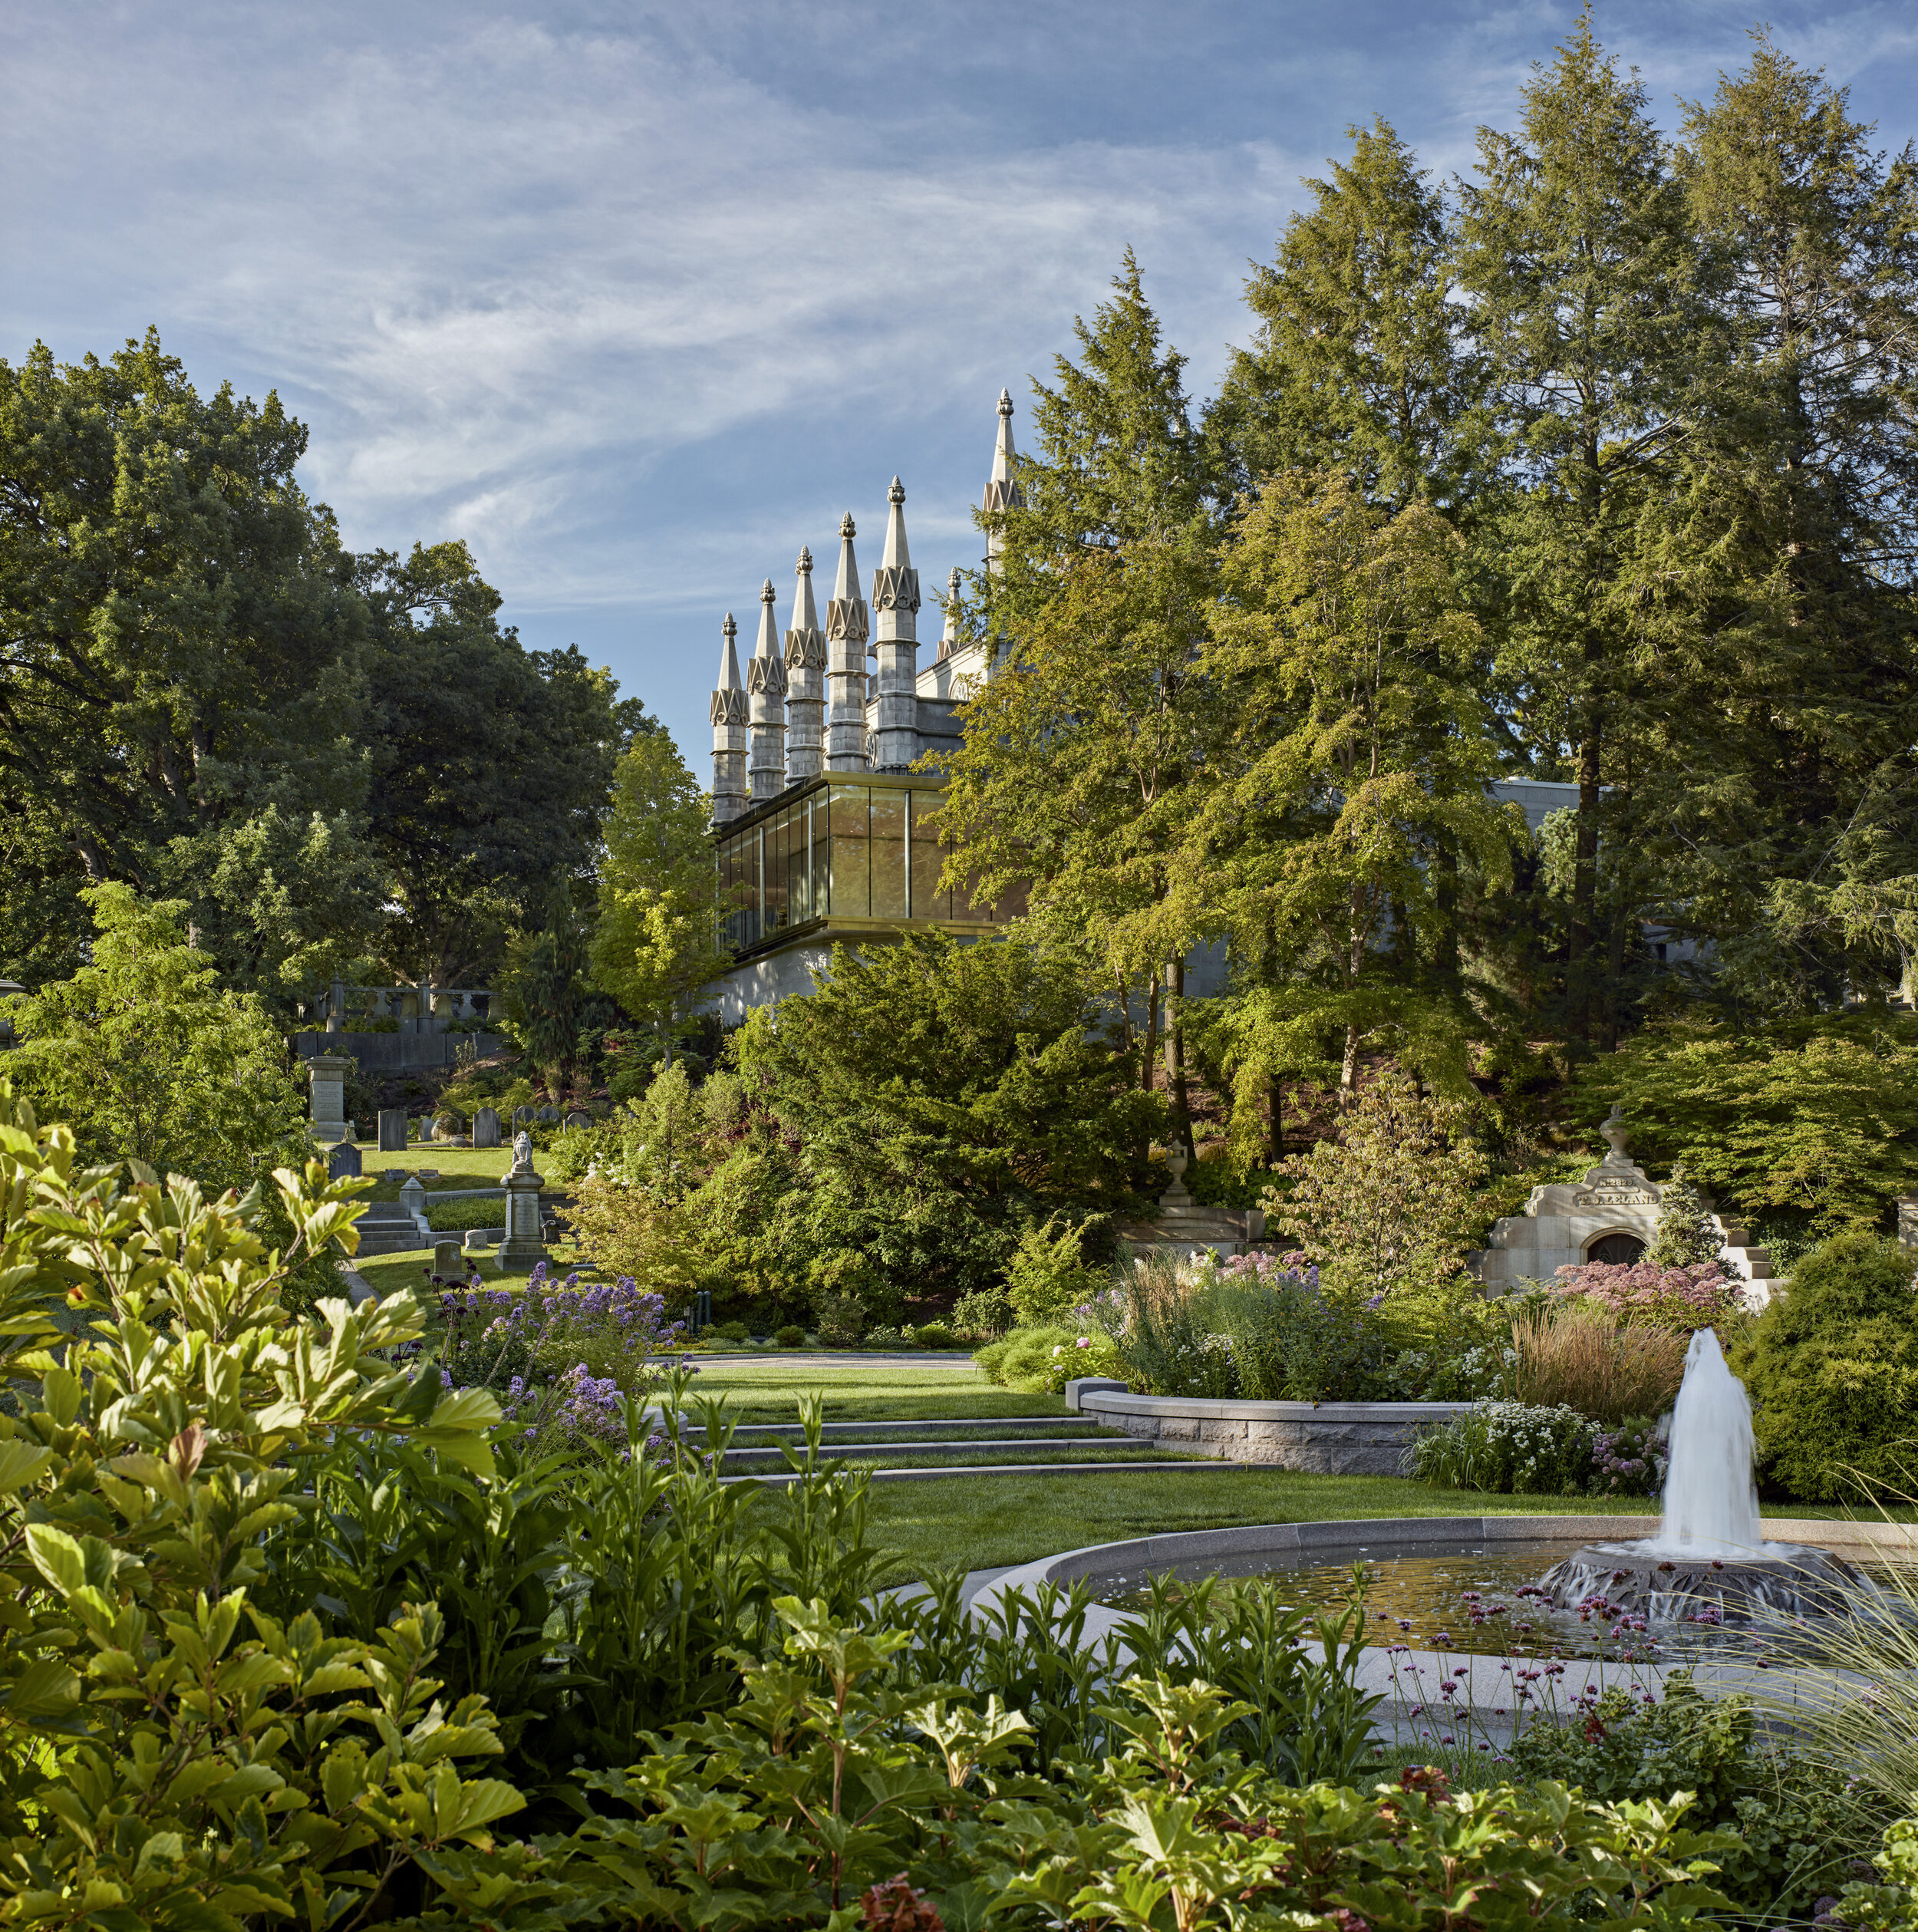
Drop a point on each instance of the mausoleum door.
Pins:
(1618, 1251)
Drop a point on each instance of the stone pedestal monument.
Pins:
(1183, 1223)
(328, 1072)
(523, 1245)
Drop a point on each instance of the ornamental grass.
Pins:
(1573, 1355)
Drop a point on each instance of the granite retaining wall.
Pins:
(1318, 1438)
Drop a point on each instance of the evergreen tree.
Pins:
(1789, 698)
(1575, 253)
(1684, 1236)
(1074, 771)
(1359, 747)
(1361, 360)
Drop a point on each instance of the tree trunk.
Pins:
(1582, 991)
(1151, 1041)
(1175, 1057)
(1275, 1117)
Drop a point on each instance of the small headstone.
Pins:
(548, 1113)
(579, 1118)
(412, 1198)
(393, 1130)
(344, 1160)
(445, 1128)
(482, 1237)
(485, 1127)
(446, 1263)
(521, 1115)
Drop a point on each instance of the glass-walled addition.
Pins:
(859, 850)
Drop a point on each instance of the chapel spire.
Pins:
(1002, 488)
(729, 714)
(847, 626)
(895, 642)
(806, 681)
(949, 636)
(765, 689)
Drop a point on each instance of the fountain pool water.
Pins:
(1710, 1557)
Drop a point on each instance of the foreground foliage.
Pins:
(298, 1635)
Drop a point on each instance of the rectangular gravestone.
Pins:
(485, 1127)
(344, 1159)
(393, 1130)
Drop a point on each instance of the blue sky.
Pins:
(637, 299)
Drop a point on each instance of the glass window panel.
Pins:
(929, 861)
(889, 856)
(852, 865)
(773, 834)
(962, 905)
(822, 856)
(799, 893)
(1012, 900)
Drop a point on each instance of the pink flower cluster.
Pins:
(1703, 1292)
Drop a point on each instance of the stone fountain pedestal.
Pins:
(1785, 1579)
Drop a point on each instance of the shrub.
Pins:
(1568, 1355)
(1794, 1823)
(1505, 1448)
(1048, 1273)
(443, 1216)
(1832, 1366)
(1628, 1460)
(982, 1315)
(1699, 1294)
(1024, 1360)
(791, 1336)
(933, 1335)
(1684, 1236)
(732, 1331)
(840, 1318)
(497, 1338)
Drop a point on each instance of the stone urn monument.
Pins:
(522, 1245)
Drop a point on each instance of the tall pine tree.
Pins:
(1577, 256)
(1074, 771)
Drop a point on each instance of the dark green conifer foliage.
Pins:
(1789, 680)
(1361, 362)
(1576, 255)
(1075, 759)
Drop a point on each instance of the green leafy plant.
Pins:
(1048, 1273)
(1832, 1366)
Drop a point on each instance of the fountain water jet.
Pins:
(1709, 1558)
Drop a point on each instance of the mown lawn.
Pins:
(981, 1522)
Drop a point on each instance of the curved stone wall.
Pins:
(1318, 1438)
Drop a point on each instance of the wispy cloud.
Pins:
(636, 299)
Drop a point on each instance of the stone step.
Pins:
(792, 1432)
(1195, 1465)
(744, 1458)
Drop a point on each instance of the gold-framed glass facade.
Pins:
(846, 850)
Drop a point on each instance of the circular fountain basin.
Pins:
(1408, 1659)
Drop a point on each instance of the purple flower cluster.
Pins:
(1702, 1293)
(1287, 1270)
(606, 1332)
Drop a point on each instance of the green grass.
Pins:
(388, 1273)
(858, 1389)
(979, 1523)
(459, 1167)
